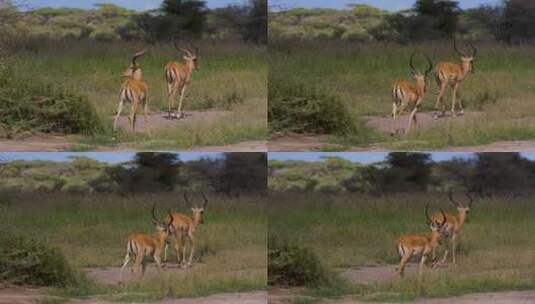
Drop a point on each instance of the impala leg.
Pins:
(403, 262)
(119, 110)
(170, 98)
(440, 97)
(459, 99)
(412, 118)
(394, 116)
(139, 261)
(158, 260)
(146, 115)
(192, 249)
(453, 248)
(421, 266)
(454, 98)
(182, 91)
(125, 263)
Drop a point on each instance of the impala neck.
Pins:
(462, 218)
(435, 237)
(137, 75)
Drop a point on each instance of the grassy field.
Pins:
(361, 76)
(361, 230)
(232, 77)
(92, 231)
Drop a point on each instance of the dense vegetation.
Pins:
(486, 174)
(234, 174)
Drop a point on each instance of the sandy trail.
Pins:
(160, 120)
(507, 297)
(157, 121)
(425, 120)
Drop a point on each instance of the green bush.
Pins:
(299, 108)
(28, 262)
(29, 105)
(293, 265)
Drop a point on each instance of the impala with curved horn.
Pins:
(140, 245)
(134, 91)
(454, 223)
(453, 74)
(185, 227)
(409, 246)
(405, 93)
(178, 76)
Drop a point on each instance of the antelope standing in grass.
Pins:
(134, 91)
(454, 223)
(178, 77)
(184, 230)
(405, 93)
(140, 245)
(409, 246)
(453, 74)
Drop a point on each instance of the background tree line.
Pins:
(486, 174)
(510, 21)
(182, 19)
(232, 174)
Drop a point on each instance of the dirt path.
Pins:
(507, 297)
(45, 143)
(374, 274)
(160, 121)
(425, 120)
(33, 296)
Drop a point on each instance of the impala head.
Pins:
(462, 208)
(197, 211)
(417, 74)
(435, 225)
(467, 60)
(190, 56)
(134, 71)
(162, 227)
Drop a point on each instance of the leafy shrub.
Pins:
(29, 105)
(299, 108)
(24, 261)
(104, 36)
(293, 265)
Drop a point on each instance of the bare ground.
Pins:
(160, 120)
(111, 276)
(157, 121)
(378, 274)
(425, 120)
(508, 297)
(383, 124)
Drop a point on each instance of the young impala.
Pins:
(185, 227)
(409, 246)
(178, 77)
(134, 91)
(140, 245)
(405, 94)
(453, 74)
(454, 223)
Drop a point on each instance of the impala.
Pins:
(405, 93)
(140, 245)
(409, 246)
(453, 74)
(184, 230)
(178, 77)
(454, 223)
(134, 91)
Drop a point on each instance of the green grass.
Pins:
(232, 77)
(361, 76)
(357, 230)
(92, 230)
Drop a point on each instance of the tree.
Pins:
(148, 172)
(249, 21)
(518, 21)
(187, 15)
(432, 19)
